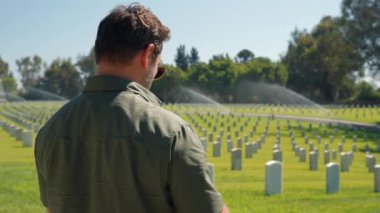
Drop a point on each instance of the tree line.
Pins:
(324, 64)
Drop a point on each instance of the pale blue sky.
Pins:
(67, 28)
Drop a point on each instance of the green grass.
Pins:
(242, 191)
(304, 190)
(18, 185)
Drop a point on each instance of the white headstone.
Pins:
(248, 150)
(254, 147)
(371, 163)
(19, 133)
(333, 154)
(239, 143)
(210, 137)
(344, 162)
(351, 156)
(311, 146)
(313, 161)
(259, 144)
(377, 178)
(327, 157)
(273, 178)
(340, 147)
(236, 159)
(230, 145)
(277, 155)
(302, 155)
(317, 151)
(332, 178)
(12, 131)
(27, 138)
(276, 146)
(216, 149)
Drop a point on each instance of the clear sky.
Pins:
(67, 28)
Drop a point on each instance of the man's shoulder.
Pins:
(149, 117)
(146, 109)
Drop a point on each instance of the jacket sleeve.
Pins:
(189, 183)
(39, 167)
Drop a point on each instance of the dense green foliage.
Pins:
(321, 64)
(7, 79)
(362, 26)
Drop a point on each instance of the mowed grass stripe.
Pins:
(18, 178)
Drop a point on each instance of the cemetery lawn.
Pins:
(303, 190)
(18, 178)
(242, 191)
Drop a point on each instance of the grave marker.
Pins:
(344, 162)
(313, 161)
(327, 157)
(277, 155)
(216, 149)
(332, 178)
(236, 159)
(377, 178)
(273, 178)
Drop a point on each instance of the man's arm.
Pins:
(189, 183)
(38, 156)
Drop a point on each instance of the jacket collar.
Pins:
(105, 83)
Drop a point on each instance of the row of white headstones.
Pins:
(273, 177)
(24, 135)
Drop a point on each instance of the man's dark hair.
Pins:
(127, 30)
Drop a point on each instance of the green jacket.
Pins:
(114, 149)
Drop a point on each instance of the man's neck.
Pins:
(124, 71)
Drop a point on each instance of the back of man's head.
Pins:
(126, 31)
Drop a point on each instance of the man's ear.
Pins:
(146, 55)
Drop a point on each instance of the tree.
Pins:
(337, 57)
(264, 70)
(87, 64)
(4, 68)
(366, 92)
(304, 75)
(61, 78)
(198, 75)
(9, 84)
(362, 27)
(244, 56)
(29, 69)
(168, 87)
(322, 64)
(181, 58)
(8, 81)
(222, 76)
(194, 56)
